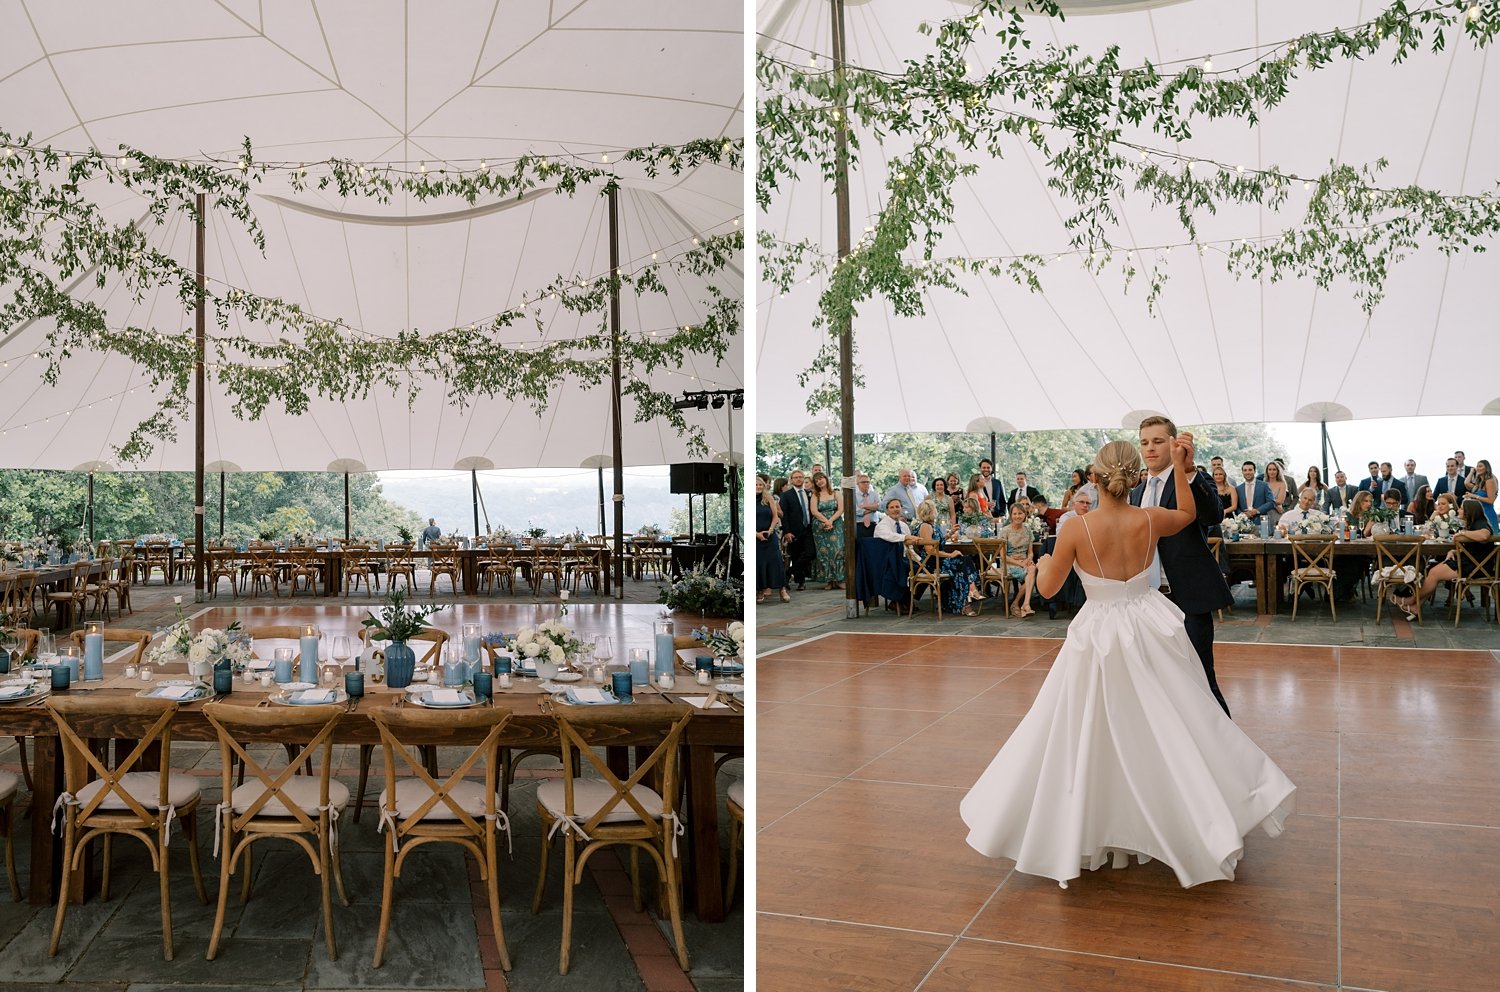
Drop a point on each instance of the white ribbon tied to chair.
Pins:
(220, 812)
(565, 823)
(333, 824)
(502, 822)
(678, 828)
(67, 799)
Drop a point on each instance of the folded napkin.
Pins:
(311, 696)
(698, 701)
(587, 695)
(14, 691)
(175, 692)
(446, 697)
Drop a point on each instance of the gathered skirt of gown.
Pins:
(1125, 751)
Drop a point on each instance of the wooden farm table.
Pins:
(59, 578)
(530, 726)
(1266, 558)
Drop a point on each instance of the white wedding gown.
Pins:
(1125, 751)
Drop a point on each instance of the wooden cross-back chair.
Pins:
(278, 803)
(444, 560)
(77, 594)
(991, 551)
(1478, 568)
(139, 804)
(421, 810)
(358, 569)
(19, 588)
(224, 565)
(1312, 565)
(399, 561)
(1398, 562)
(436, 639)
(926, 570)
(497, 569)
(594, 813)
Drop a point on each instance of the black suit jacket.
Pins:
(1397, 485)
(1442, 486)
(791, 514)
(1197, 584)
(1031, 493)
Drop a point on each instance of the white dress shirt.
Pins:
(889, 529)
(1152, 497)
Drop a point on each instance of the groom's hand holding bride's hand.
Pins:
(1182, 450)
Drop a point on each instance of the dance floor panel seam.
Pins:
(1392, 753)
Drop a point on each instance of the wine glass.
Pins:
(604, 648)
(46, 648)
(341, 651)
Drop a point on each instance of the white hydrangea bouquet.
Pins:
(204, 650)
(1037, 526)
(1238, 524)
(1314, 522)
(551, 640)
(1444, 526)
(726, 643)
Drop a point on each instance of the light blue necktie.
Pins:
(1154, 572)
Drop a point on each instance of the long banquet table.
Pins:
(1266, 558)
(709, 733)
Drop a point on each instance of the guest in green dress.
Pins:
(943, 503)
(828, 531)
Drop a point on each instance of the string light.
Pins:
(1208, 65)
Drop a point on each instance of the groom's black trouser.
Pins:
(1200, 630)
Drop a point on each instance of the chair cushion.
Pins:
(144, 787)
(302, 790)
(9, 783)
(589, 794)
(1403, 573)
(411, 793)
(737, 792)
(1311, 573)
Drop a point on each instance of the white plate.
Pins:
(296, 686)
(568, 677)
(15, 691)
(284, 698)
(466, 699)
(733, 688)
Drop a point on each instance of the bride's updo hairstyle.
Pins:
(1118, 466)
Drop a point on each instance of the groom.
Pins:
(1184, 566)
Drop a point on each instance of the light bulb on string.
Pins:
(1208, 65)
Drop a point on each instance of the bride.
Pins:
(1125, 750)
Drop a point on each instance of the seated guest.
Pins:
(1390, 501)
(1476, 526)
(1227, 494)
(1018, 560)
(1339, 494)
(1081, 505)
(1421, 505)
(1349, 573)
(961, 594)
(1049, 516)
(1306, 500)
(1444, 504)
(891, 528)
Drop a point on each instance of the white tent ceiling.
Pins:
(1087, 353)
(383, 81)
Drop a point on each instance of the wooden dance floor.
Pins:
(1385, 878)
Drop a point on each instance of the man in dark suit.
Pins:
(1339, 495)
(796, 521)
(1190, 575)
(1388, 482)
(1463, 470)
(1022, 490)
(1452, 482)
(1371, 484)
(990, 487)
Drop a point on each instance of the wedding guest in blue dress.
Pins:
(1481, 485)
(961, 593)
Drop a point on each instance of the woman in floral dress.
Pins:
(828, 536)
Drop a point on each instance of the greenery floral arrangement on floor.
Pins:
(398, 622)
(703, 592)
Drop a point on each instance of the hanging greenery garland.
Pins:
(52, 231)
(1078, 113)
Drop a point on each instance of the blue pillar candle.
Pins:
(666, 648)
(640, 669)
(93, 652)
(70, 662)
(455, 672)
(309, 643)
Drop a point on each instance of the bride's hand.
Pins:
(1182, 452)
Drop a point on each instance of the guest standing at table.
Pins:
(1314, 481)
(1482, 488)
(770, 573)
(866, 505)
(1253, 494)
(1227, 496)
(947, 519)
(1451, 483)
(1018, 560)
(828, 533)
(1339, 495)
(429, 533)
(1413, 480)
(1076, 481)
(909, 491)
(962, 592)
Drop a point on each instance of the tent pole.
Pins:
(614, 352)
(1323, 427)
(846, 327)
(347, 513)
(734, 492)
(221, 504)
(690, 515)
(91, 512)
(474, 482)
(602, 531)
(994, 472)
(198, 555)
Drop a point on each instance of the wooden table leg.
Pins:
(46, 779)
(703, 832)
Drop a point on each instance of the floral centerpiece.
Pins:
(972, 523)
(1312, 522)
(502, 535)
(205, 650)
(1037, 526)
(726, 643)
(550, 640)
(1443, 525)
(705, 593)
(650, 532)
(1381, 518)
(1236, 526)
